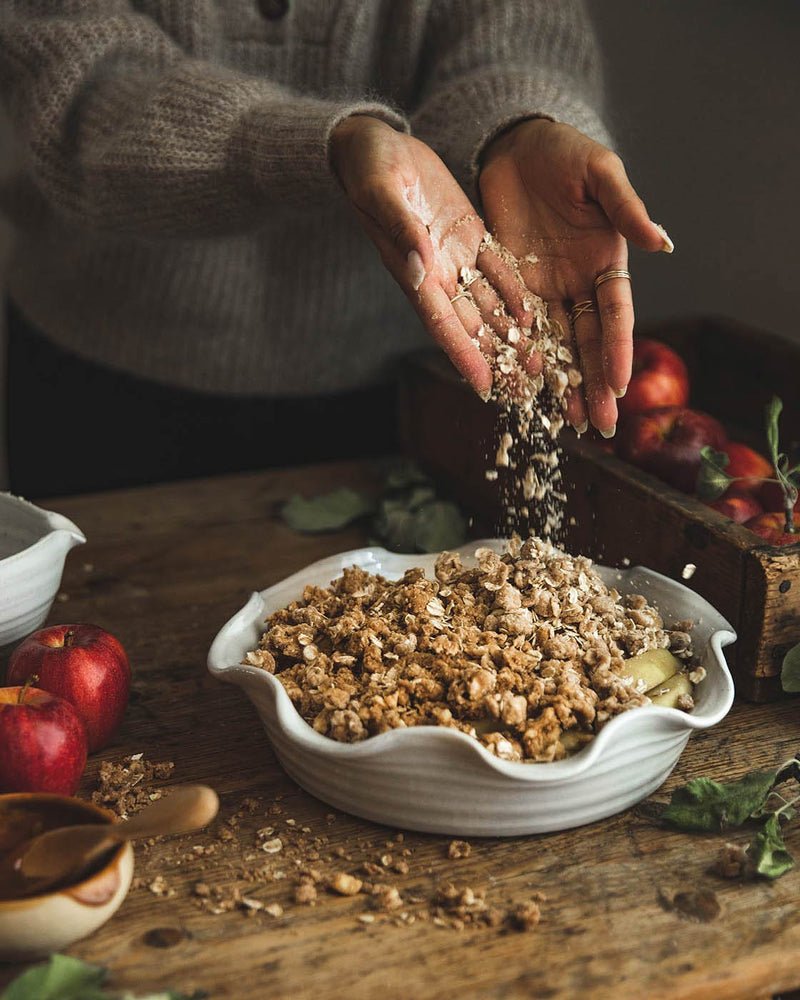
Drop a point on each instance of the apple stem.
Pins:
(69, 635)
(33, 679)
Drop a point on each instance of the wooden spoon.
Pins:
(64, 854)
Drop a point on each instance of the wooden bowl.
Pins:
(38, 925)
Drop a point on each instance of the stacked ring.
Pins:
(608, 275)
(587, 306)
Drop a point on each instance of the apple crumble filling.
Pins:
(528, 652)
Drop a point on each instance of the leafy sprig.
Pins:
(788, 476)
(712, 806)
(713, 479)
(64, 978)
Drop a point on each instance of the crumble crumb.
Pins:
(126, 786)
(344, 884)
(458, 849)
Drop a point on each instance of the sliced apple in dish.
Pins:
(652, 667)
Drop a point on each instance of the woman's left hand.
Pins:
(550, 191)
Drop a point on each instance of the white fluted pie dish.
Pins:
(33, 546)
(439, 780)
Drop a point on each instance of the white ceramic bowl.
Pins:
(439, 780)
(33, 546)
(37, 926)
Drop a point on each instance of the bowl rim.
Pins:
(114, 860)
(304, 735)
(51, 522)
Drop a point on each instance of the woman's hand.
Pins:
(428, 236)
(549, 190)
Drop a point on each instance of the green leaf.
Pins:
(59, 978)
(774, 408)
(438, 526)
(327, 512)
(169, 995)
(712, 479)
(768, 851)
(395, 527)
(65, 978)
(790, 670)
(403, 473)
(703, 804)
(419, 496)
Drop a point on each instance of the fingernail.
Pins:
(619, 393)
(669, 246)
(609, 432)
(581, 428)
(416, 269)
(484, 395)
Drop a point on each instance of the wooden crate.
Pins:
(617, 513)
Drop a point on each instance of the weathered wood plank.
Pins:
(168, 566)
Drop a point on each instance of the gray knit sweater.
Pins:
(177, 216)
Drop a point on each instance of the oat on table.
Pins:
(524, 651)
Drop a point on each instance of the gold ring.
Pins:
(608, 275)
(587, 306)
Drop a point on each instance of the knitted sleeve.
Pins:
(490, 63)
(126, 131)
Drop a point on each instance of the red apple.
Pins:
(747, 466)
(668, 442)
(84, 664)
(42, 742)
(771, 497)
(772, 528)
(738, 508)
(659, 379)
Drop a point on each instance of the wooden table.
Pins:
(164, 568)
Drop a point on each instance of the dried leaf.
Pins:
(703, 804)
(327, 512)
(768, 850)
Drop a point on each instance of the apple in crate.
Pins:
(42, 742)
(771, 496)
(83, 664)
(668, 442)
(738, 507)
(772, 528)
(659, 379)
(747, 467)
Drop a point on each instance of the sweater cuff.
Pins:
(461, 120)
(287, 148)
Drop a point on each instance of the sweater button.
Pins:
(273, 10)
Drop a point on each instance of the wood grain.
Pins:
(164, 568)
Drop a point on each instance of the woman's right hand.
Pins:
(427, 234)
